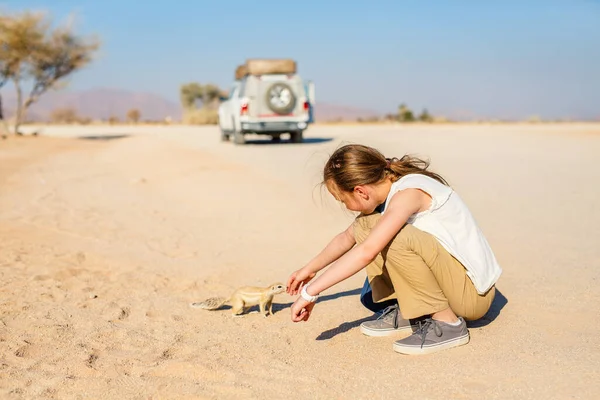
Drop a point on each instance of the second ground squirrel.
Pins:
(245, 297)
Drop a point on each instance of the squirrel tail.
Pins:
(212, 303)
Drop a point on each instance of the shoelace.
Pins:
(388, 310)
(425, 327)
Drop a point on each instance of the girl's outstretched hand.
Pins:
(301, 309)
(297, 280)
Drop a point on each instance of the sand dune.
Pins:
(106, 242)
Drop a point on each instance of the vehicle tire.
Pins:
(224, 136)
(276, 138)
(238, 138)
(280, 98)
(296, 136)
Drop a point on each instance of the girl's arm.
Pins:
(402, 205)
(337, 247)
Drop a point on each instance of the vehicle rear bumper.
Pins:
(273, 126)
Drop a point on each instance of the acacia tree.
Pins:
(190, 93)
(133, 115)
(3, 80)
(405, 114)
(425, 116)
(210, 94)
(33, 55)
(10, 48)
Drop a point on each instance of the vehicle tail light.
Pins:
(306, 106)
(244, 109)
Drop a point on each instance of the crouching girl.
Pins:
(423, 252)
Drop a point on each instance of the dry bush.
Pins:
(64, 116)
(201, 116)
(368, 120)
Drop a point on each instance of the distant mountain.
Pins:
(100, 104)
(105, 103)
(325, 112)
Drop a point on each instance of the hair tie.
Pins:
(388, 163)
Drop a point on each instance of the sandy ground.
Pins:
(104, 243)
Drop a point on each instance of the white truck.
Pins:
(270, 98)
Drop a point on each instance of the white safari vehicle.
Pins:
(268, 97)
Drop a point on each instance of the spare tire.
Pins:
(280, 98)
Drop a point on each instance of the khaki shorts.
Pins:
(417, 271)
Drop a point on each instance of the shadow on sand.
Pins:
(103, 137)
(497, 305)
(353, 292)
(282, 306)
(312, 140)
(344, 327)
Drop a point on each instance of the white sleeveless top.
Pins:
(451, 222)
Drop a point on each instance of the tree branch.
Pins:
(31, 51)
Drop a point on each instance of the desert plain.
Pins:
(107, 234)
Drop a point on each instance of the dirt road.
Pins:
(108, 233)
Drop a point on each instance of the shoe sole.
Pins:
(382, 333)
(414, 350)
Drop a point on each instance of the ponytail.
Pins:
(411, 165)
(354, 165)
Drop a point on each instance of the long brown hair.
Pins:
(353, 165)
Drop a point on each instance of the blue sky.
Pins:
(504, 59)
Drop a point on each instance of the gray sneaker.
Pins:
(432, 336)
(389, 323)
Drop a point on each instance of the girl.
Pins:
(424, 254)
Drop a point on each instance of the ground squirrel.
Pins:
(244, 297)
